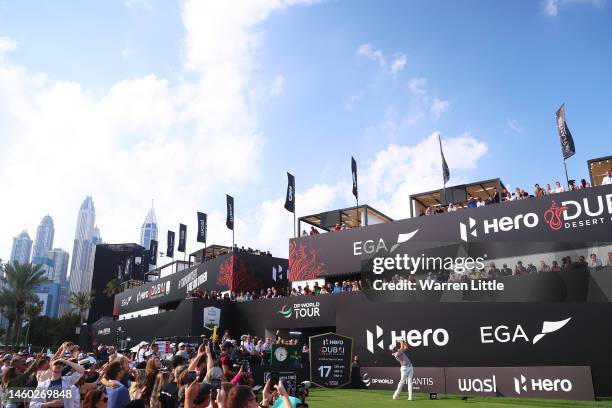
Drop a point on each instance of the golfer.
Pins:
(406, 370)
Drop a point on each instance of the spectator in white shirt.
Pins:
(595, 262)
(7, 364)
(607, 179)
(451, 207)
(559, 188)
(549, 189)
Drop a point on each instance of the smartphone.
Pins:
(274, 377)
(191, 376)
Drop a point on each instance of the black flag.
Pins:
(445, 171)
(182, 238)
(290, 200)
(153, 252)
(354, 172)
(201, 227)
(170, 249)
(229, 222)
(567, 142)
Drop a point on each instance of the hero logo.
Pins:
(277, 273)
(504, 334)
(371, 246)
(541, 384)
(414, 338)
(519, 221)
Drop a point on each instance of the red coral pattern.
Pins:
(226, 269)
(303, 263)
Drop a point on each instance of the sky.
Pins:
(184, 102)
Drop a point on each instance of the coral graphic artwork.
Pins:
(303, 263)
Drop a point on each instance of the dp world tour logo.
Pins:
(463, 229)
(553, 216)
(286, 311)
(366, 379)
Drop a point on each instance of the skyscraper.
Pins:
(44, 237)
(88, 276)
(22, 248)
(149, 229)
(82, 252)
(60, 259)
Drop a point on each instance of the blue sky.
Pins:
(185, 101)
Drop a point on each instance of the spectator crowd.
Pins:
(215, 373)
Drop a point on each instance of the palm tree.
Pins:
(112, 288)
(21, 280)
(32, 311)
(81, 302)
(7, 308)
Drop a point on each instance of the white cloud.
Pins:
(351, 100)
(278, 85)
(438, 107)
(366, 50)
(7, 45)
(146, 5)
(514, 125)
(184, 145)
(399, 62)
(551, 7)
(418, 85)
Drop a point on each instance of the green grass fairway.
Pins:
(346, 398)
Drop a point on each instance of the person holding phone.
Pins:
(406, 369)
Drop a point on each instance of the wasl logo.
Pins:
(371, 246)
(463, 229)
(414, 338)
(286, 311)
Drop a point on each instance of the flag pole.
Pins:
(294, 234)
(566, 176)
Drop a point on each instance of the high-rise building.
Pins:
(82, 252)
(149, 229)
(88, 276)
(59, 259)
(44, 237)
(22, 248)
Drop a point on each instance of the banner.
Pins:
(153, 252)
(425, 379)
(229, 222)
(573, 383)
(182, 238)
(212, 317)
(567, 141)
(290, 199)
(201, 227)
(330, 360)
(170, 241)
(445, 170)
(354, 172)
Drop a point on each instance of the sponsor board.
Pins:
(330, 360)
(425, 379)
(300, 310)
(563, 382)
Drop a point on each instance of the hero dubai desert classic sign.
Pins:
(330, 360)
(560, 215)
